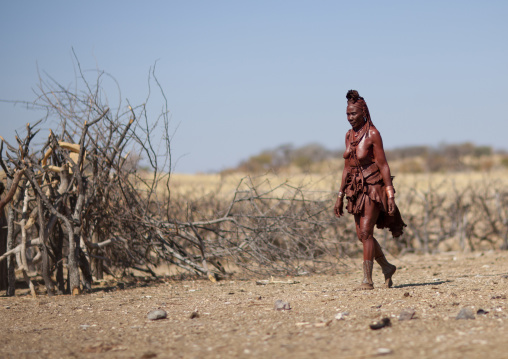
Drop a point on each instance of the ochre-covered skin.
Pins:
(367, 185)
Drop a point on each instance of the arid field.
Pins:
(235, 318)
(194, 186)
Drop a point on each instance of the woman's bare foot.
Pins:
(367, 283)
(388, 276)
(388, 270)
(365, 286)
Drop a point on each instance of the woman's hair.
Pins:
(354, 98)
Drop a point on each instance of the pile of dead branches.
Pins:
(78, 204)
(261, 229)
(466, 219)
(68, 214)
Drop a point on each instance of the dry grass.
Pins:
(201, 185)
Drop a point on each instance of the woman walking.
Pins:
(367, 185)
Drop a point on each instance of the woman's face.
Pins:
(355, 116)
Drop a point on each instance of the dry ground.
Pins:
(236, 317)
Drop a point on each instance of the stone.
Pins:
(465, 313)
(481, 312)
(385, 322)
(157, 314)
(341, 316)
(148, 355)
(384, 351)
(281, 305)
(407, 314)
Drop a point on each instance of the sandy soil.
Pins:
(235, 317)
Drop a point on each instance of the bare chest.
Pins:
(363, 152)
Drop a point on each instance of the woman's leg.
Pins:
(371, 247)
(365, 231)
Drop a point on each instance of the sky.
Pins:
(244, 76)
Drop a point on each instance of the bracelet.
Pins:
(341, 194)
(390, 191)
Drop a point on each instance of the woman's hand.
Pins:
(391, 206)
(338, 209)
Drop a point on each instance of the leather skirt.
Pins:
(365, 183)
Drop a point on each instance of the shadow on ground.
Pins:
(422, 284)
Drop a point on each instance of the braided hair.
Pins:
(354, 98)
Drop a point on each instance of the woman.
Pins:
(367, 185)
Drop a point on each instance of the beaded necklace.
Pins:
(358, 136)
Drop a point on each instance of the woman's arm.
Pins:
(339, 204)
(382, 163)
(344, 175)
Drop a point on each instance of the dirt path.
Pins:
(236, 318)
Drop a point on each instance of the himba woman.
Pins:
(367, 185)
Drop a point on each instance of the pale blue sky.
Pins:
(242, 76)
